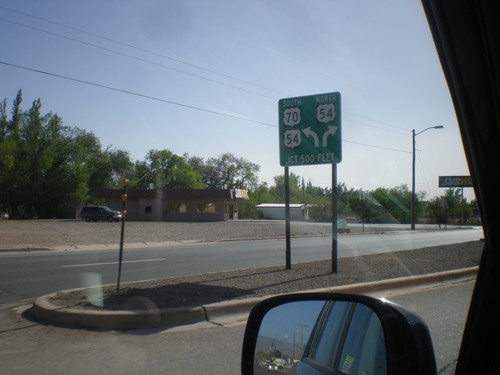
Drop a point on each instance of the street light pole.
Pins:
(412, 205)
(413, 208)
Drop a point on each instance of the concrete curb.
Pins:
(219, 313)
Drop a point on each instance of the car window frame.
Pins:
(467, 38)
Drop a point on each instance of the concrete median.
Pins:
(147, 315)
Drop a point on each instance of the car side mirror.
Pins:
(317, 333)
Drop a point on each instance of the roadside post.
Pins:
(122, 233)
(310, 134)
(288, 252)
(334, 220)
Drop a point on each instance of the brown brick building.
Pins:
(176, 205)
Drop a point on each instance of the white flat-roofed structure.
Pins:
(276, 211)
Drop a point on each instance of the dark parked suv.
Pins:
(94, 213)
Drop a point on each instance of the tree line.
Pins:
(381, 205)
(47, 169)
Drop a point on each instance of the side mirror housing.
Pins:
(333, 333)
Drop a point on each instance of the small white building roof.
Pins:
(279, 205)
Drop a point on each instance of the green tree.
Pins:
(226, 172)
(9, 142)
(277, 192)
(451, 207)
(319, 201)
(78, 167)
(436, 208)
(168, 170)
(7, 158)
(49, 169)
(57, 183)
(109, 168)
(17, 114)
(390, 205)
(33, 157)
(121, 166)
(84, 147)
(247, 208)
(141, 175)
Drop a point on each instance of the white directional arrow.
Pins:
(309, 133)
(331, 131)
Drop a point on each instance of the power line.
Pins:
(136, 58)
(379, 127)
(381, 122)
(136, 48)
(136, 94)
(172, 59)
(375, 146)
(172, 102)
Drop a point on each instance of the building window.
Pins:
(179, 208)
(206, 208)
(148, 209)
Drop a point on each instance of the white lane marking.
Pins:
(108, 263)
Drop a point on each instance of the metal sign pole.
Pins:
(334, 219)
(287, 219)
(124, 216)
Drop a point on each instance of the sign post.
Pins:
(122, 233)
(310, 134)
(288, 252)
(334, 220)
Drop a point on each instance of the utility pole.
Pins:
(413, 208)
(301, 326)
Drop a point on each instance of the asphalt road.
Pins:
(29, 275)
(445, 310)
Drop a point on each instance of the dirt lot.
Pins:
(74, 232)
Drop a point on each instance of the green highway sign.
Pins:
(309, 130)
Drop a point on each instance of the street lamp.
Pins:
(413, 202)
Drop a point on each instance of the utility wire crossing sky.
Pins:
(205, 78)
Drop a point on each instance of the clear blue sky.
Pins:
(204, 77)
(292, 317)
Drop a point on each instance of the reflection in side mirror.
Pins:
(335, 334)
(330, 335)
